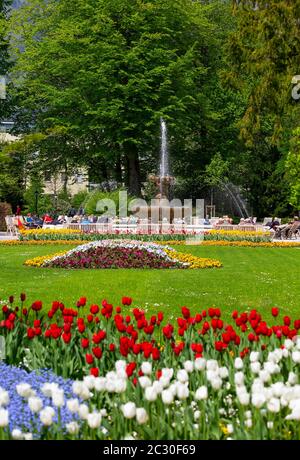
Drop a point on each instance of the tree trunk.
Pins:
(118, 173)
(133, 168)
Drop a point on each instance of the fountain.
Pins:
(161, 210)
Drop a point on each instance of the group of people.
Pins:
(226, 220)
(285, 231)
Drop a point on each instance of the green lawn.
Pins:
(256, 277)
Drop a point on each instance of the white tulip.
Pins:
(85, 392)
(248, 414)
(94, 420)
(150, 394)
(122, 374)
(112, 375)
(167, 397)
(129, 410)
(238, 363)
(35, 404)
(201, 393)
(264, 376)
(146, 368)
(254, 356)
(273, 405)
(17, 435)
(72, 427)
(230, 428)
(258, 400)
(283, 402)
(297, 342)
(3, 418)
(141, 416)
(270, 367)
(73, 405)
(182, 376)
(197, 415)
(89, 381)
(188, 366)
(120, 385)
(158, 386)
(167, 373)
(164, 381)
(200, 364)
(83, 411)
(182, 391)
(110, 386)
(239, 378)
(223, 372)
(293, 378)
(212, 365)
(120, 364)
(270, 425)
(285, 353)
(216, 383)
(46, 416)
(244, 398)
(173, 388)
(255, 367)
(25, 390)
(28, 437)
(48, 388)
(103, 412)
(4, 397)
(248, 423)
(145, 382)
(295, 415)
(211, 375)
(100, 383)
(296, 356)
(58, 398)
(76, 388)
(288, 344)
(277, 389)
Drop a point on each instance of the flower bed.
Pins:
(26, 394)
(212, 235)
(122, 254)
(198, 378)
(77, 235)
(237, 235)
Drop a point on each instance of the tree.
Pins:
(107, 70)
(4, 55)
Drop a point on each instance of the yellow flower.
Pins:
(39, 261)
(193, 261)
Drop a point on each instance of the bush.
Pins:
(96, 196)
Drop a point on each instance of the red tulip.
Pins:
(275, 312)
(85, 342)
(89, 358)
(94, 309)
(94, 371)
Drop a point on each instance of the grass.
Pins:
(250, 277)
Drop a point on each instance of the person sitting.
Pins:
(295, 228)
(287, 229)
(85, 220)
(281, 230)
(28, 218)
(273, 224)
(47, 219)
(206, 221)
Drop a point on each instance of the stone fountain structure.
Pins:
(160, 210)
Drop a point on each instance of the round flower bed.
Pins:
(122, 254)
